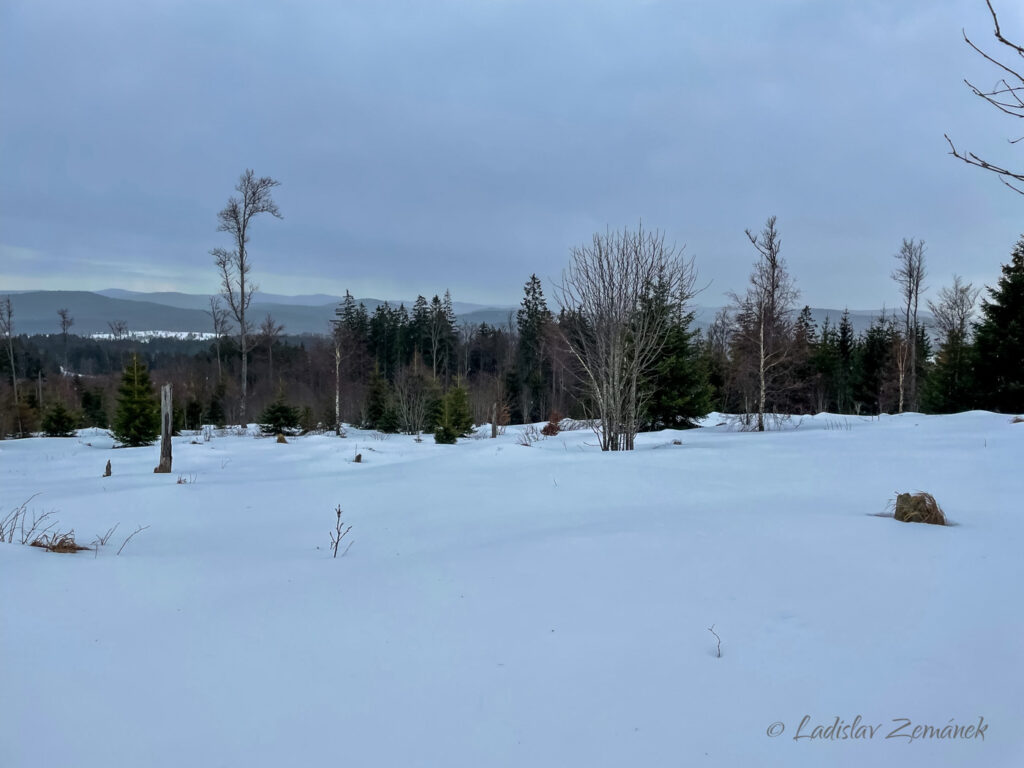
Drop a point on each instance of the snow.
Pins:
(504, 605)
(146, 336)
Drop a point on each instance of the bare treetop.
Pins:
(234, 265)
(1007, 95)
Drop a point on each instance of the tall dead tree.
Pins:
(166, 429)
(764, 317)
(7, 329)
(1007, 95)
(909, 276)
(253, 198)
(66, 321)
(613, 331)
(336, 337)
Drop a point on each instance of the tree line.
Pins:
(621, 348)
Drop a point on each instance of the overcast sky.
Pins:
(466, 144)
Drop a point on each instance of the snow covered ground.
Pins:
(504, 605)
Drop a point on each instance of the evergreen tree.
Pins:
(846, 345)
(381, 413)
(193, 415)
(874, 386)
(440, 336)
(950, 385)
(825, 362)
(999, 340)
(533, 364)
(94, 414)
(137, 421)
(59, 421)
(802, 369)
(679, 389)
(418, 332)
(279, 418)
(456, 418)
(215, 411)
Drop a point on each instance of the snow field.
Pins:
(505, 605)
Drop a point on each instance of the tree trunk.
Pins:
(337, 387)
(761, 377)
(494, 419)
(245, 380)
(14, 383)
(166, 415)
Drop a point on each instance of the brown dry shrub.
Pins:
(280, 438)
(918, 508)
(58, 542)
(553, 427)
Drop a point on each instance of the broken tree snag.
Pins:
(106, 472)
(166, 415)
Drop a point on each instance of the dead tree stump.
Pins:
(166, 416)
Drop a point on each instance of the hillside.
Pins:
(36, 312)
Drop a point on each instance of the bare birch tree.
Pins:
(764, 316)
(1007, 95)
(909, 275)
(613, 330)
(234, 265)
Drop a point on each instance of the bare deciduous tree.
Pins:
(909, 275)
(412, 394)
(221, 328)
(1007, 95)
(955, 308)
(270, 332)
(118, 329)
(234, 265)
(614, 332)
(7, 329)
(764, 316)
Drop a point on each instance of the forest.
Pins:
(416, 369)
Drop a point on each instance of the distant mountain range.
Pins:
(92, 312)
(36, 311)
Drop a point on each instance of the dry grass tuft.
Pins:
(280, 438)
(58, 542)
(918, 508)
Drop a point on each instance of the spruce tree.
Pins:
(455, 418)
(381, 413)
(533, 364)
(138, 411)
(999, 340)
(279, 418)
(59, 421)
(215, 411)
(680, 392)
(846, 346)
